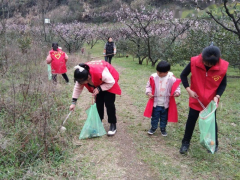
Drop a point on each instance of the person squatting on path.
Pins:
(208, 82)
(109, 50)
(57, 58)
(161, 89)
(101, 79)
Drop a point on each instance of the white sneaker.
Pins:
(112, 133)
(112, 129)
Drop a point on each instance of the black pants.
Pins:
(54, 78)
(190, 125)
(109, 100)
(108, 59)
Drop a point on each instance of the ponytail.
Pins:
(211, 55)
(55, 46)
(85, 66)
(81, 72)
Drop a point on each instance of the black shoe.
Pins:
(163, 131)
(112, 129)
(184, 148)
(151, 131)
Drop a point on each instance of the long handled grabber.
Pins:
(201, 104)
(62, 128)
(102, 56)
(159, 96)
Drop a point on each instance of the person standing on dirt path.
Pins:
(208, 82)
(101, 79)
(109, 50)
(161, 89)
(57, 58)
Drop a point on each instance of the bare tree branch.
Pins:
(231, 16)
(221, 24)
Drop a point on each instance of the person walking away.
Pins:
(57, 58)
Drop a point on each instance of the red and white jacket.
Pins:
(58, 61)
(104, 75)
(172, 87)
(205, 83)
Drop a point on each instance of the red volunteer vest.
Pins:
(96, 70)
(172, 109)
(205, 83)
(58, 63)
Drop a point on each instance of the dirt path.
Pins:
(170, 156)
(130, 159)
(110, 157)
(114, 157)
(122, 156)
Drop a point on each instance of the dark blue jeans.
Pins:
(159, 112)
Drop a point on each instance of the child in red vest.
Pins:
(208, 82)
(161, 89)
(57, 58)
(101, 79)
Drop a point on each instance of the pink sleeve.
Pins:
(77, 90)
(66, 57)
(178, 90)
(49, 59)
(108, 80)
(148, 88)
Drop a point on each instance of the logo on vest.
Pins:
(57, 55)
(97, 62)
(216, 77)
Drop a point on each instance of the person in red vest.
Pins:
(101, 79)
(208, 82)
(161, 89)
(57, 58)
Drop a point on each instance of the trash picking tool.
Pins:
(62, 128)
(201, 104)
(159, 96)
(102, 56)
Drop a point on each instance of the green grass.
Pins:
(222, 165)
(160, 154)
(187, 13)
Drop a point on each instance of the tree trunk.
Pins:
(153, 63)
